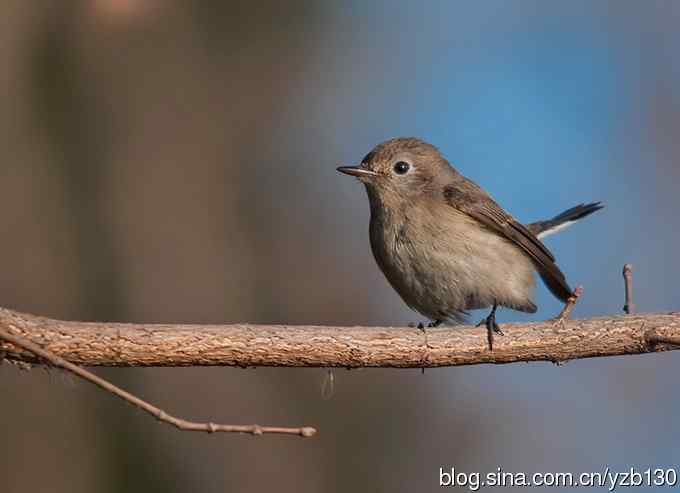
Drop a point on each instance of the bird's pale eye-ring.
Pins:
(401, 167)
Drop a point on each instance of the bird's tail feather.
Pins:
(544, 228)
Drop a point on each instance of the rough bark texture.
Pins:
(113, 344)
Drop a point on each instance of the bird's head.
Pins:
(402, 169)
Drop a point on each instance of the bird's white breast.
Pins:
(442, 262)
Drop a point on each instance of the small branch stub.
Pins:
(569, 305)
(629, 307)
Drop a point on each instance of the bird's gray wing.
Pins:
(470, 199)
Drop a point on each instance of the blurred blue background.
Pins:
(175, 161)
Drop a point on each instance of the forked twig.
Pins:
(159, 414)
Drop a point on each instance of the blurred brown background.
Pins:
(175, 162)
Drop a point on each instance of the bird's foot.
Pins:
(434, 323)
(491, 326)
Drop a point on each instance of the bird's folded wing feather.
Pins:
(470, 199)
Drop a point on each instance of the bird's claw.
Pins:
(491, 324)
(434, 323)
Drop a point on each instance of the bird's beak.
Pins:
(357, 171)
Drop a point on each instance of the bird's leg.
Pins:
(434, 323)
(491, 326)
(490, 321)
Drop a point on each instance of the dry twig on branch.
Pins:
(182, 424)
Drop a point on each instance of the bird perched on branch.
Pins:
(445, 245)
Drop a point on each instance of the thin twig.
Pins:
(161, 415)
(629, 307)
(569, 305)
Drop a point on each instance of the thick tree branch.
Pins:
(109, 344)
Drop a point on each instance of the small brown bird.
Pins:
(443, 243)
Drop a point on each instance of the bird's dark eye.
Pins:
(401, 167)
